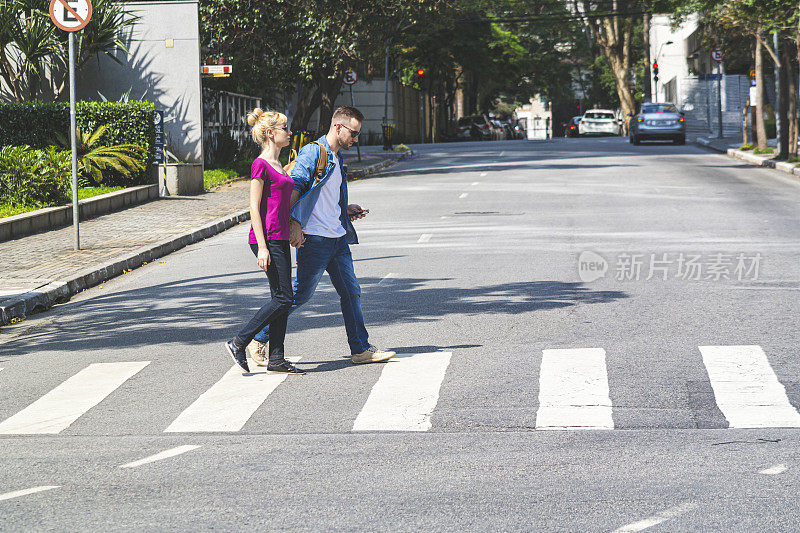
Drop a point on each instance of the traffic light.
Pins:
(420, 72)
(655, 70)
(578, 108)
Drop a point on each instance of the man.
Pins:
(322, 231)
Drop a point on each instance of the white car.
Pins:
(599, 122)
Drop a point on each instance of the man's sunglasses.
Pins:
(353, 132)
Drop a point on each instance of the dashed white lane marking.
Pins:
(405, 395)
(56, 410)
(386, 278)
(773, 470)
(483, 174)
(25, 492)
(166, 454)
(474, 183)
(657, 518)
(425, 237)
(230, 402)
(463, 195)
(573, 390)
(502, 153)
(746, 389)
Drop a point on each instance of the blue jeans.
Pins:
(317, 255)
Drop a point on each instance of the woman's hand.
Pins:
(263, 258)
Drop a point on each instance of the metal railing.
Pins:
(225, 128)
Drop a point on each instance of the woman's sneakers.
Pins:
(238, 353)
(284, 367)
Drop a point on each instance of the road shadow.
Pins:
(209, 309)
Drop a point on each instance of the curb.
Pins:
(62, 290)
(753, 159)
(377, 167)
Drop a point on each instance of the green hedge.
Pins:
(33, 124)
(34, 178)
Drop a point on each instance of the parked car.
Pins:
(571, 127)
(599, 122)
(508, 129)
(499, 132)
(475, 127)
(658, 122)
(519, 131)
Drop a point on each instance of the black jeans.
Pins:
(275, 312)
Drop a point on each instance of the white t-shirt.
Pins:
(324, 220)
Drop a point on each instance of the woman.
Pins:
(270, 192)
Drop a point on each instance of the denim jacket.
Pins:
(303, 176)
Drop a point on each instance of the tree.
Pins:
(613, 32)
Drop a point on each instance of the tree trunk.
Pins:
(791, 89)
(307, 103)
(330, 89)
(761, 130)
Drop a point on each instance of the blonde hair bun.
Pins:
(254, 116)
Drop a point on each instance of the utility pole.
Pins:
(781, 111)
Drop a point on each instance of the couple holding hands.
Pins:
(306, 209)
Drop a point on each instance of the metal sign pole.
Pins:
(719, 99)
(74, 140)
(352, 103)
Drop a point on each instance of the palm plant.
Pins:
(93, 160)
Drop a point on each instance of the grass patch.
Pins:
(767, 150)
(793, 160)
(88, 192)
(218, 176)
(7, 210)
(748, 146)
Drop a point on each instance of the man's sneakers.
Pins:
(284, 367)
(372, 355)
(258, 353)
(238, 354)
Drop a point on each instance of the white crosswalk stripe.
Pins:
(406, 393)
(574, 394)
(56, 410)
(229, 403)
(573, 391)
(746, 388)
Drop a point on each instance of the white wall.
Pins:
(168, 76)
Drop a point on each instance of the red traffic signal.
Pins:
(655, 64)
(420, 72)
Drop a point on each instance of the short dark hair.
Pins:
(349, 112)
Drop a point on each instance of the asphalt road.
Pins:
(527, 395)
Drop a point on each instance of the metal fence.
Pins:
(225, 127)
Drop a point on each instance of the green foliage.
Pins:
(91, 192)
(30, 44)
(764, 151)
(38, 178)
(746, 147)
(35, 124)
(93, 159)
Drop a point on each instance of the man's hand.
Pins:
(263, 258)
(355, 212)
(296, 235)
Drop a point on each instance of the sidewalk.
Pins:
(730, 146)
(42, 269)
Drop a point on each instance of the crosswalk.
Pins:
(574, 394)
